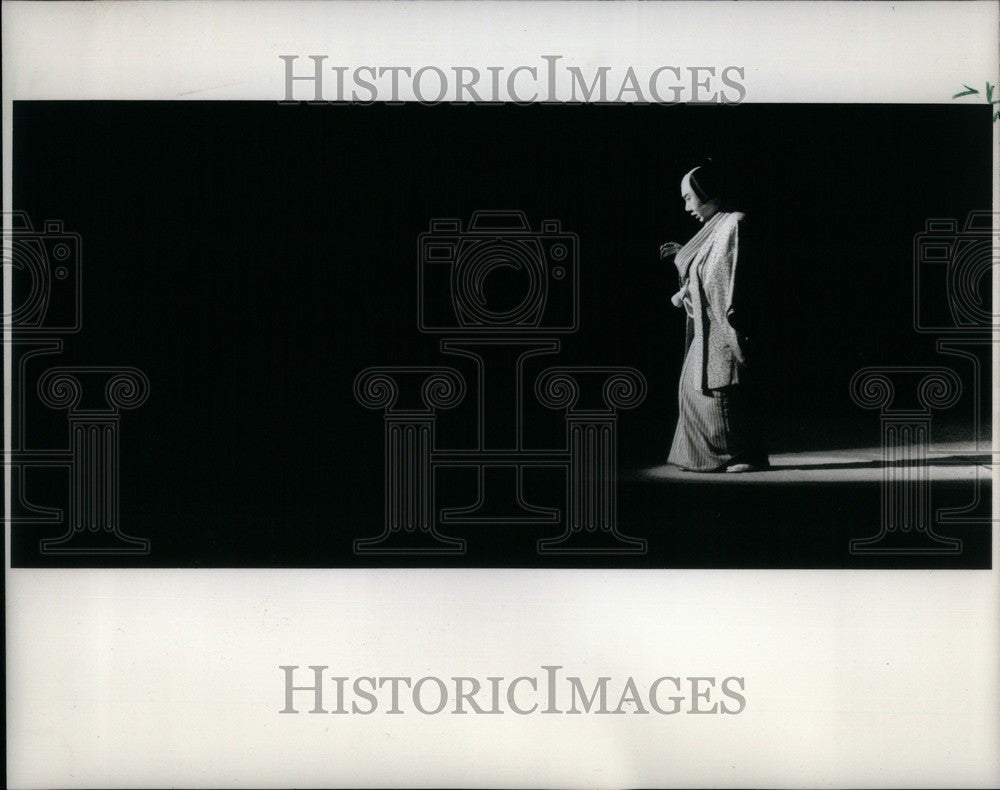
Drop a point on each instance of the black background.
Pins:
(251, 258)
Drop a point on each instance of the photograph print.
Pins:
(263, 334)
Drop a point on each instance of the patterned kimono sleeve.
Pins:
(718, 284)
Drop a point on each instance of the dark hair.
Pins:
(706, 181)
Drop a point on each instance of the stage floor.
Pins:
(945, 461)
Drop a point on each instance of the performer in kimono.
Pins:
(718, 428)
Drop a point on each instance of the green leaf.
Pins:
(967, 92)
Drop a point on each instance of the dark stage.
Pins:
(247, 261)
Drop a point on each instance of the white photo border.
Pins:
(129, 678)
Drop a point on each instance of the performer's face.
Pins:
(693, 204)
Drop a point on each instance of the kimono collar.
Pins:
(689, 251)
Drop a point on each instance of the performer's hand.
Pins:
(669, 249)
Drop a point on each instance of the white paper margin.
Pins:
(169, 677)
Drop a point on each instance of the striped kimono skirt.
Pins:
(714, 427)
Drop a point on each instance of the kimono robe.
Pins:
(715, 428)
